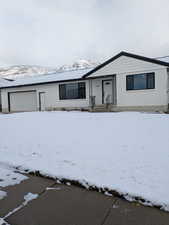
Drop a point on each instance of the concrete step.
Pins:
(102, 108)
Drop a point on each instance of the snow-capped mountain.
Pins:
(79, 64)
(13, 72)
(18, 71)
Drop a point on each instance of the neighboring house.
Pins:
(124, 82)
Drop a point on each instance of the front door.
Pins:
(107, 91)
(42, 101)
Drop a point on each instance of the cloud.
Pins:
(55, 32)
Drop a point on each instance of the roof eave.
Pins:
(139, 57)
(36, 84)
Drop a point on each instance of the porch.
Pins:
(102, 93)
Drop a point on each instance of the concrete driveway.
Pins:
(59, 204)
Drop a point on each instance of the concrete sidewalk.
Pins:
(59, 204)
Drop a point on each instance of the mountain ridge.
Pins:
(20, 71)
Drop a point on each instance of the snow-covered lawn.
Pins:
(8, 177)
(126, 152)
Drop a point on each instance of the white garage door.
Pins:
(22, 101)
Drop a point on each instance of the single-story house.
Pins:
(124, 82)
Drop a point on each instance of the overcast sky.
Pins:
(56, 32)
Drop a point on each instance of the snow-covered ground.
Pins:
(126, 152)
(8, 177)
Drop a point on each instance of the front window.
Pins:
(72, 91)
(140, 81)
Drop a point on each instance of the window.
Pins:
(140, 81)
(72, 91)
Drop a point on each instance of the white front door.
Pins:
(42, 101)
(107, 91)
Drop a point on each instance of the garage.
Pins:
(22, 101)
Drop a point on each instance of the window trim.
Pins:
(139, 89)
(64, 99)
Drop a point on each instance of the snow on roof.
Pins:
(164, 59)
(4, 82)
(41, 79)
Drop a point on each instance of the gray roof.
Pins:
(74, 74)
(128, 54)
(45, 79)
(4, 82)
